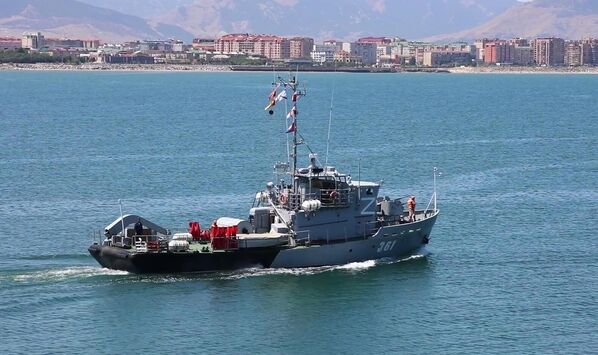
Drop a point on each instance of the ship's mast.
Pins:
(294, 165)
(293, 83)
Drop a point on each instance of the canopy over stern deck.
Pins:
(115, 227)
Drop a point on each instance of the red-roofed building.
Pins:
(204, 44)
(269, 46)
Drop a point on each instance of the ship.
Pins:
(312, 215)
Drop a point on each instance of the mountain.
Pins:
(121, 20)
(74, 19)
(539, 18)
(141, 8)
(346, 19)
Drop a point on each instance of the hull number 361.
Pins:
(386, 246)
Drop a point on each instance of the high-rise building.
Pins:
(479, 45)
(272, 47)
(33, 40)
(573, 53)
(523, 55)
(300, 47)
(498, 52)
(549, 51)
(589, 51)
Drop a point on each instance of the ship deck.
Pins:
(253, 240)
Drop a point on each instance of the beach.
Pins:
(227, 68)
(524, 70)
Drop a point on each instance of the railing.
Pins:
(328, 198)
(302, 240)
(432, 200)
(140, 246)
(335, 197)
(141, 243)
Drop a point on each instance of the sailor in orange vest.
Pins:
(214, 229)
(411, 207)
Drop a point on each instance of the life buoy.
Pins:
(283, 198)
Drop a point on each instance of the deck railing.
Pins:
(328, 198)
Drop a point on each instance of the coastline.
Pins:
(524, 70)
(113, 67)
(226, 68)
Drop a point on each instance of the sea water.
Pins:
(511, 266)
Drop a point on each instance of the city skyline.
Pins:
(365, 52)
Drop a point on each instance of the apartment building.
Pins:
(499, 52)
(34, 40)
(300, 47)
(269, 46)
(549, 51)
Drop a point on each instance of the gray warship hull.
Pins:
(391, 242)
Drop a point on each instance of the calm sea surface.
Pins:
(512, 266)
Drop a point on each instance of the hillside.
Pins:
(141, 8)
(120, 20)
(346, 19)
(74, 19)
(562, 18)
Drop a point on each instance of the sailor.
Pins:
(214, 229)
(411, 207)
(334, 195)
(138, 227)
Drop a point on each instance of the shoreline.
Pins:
(114, 67)
(227, 68)
(525, 70)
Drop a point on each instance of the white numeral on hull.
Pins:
(386, 246)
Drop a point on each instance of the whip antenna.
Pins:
(330, 119)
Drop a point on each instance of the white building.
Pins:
(323, 53)
(33, 40)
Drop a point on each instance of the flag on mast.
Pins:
(270, 105)
(292, 128)
(272, 98)
(295, 96)
(293, 113)
(273, 93)
(281, 96)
